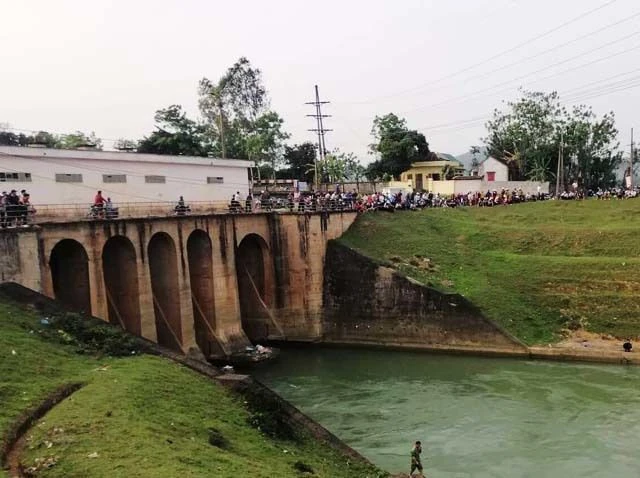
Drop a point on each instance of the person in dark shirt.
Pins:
(416, 463)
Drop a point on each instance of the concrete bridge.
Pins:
(207, 282)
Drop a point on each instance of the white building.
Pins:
(493, 170)
(55, 176)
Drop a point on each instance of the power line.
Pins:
(550, 50)
(567, 96)
(521, 77)
(498, 55)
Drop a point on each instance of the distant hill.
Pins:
(467, 158)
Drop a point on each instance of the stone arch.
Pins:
(255, 272)
(120, 269)
(199, 254)
(69, 264)
(163, 268)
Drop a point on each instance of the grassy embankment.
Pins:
(535, 268)
(138, 416)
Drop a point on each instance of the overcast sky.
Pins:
(106, 66)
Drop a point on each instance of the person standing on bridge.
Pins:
(416, 463)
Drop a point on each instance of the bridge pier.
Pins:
(206, 281)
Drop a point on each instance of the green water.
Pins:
(476, 417)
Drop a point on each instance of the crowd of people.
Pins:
(15, 208)
(603, 194)
(352, 200)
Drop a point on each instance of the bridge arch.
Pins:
(199, 254)
(255, 273)
(163, 268)
(120, 270)
(69, 264)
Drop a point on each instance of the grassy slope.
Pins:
(144, 416)
(534, 268)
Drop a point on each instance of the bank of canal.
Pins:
(476, 417)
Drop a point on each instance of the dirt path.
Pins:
(588, 346)
(14, 440)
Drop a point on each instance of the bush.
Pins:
(90, 336)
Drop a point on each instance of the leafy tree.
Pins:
(176, 134)
(77, 140)
(232, 106)
(126, 145)
(396, 145)
(45, 138)
(589, 148)
(528, 136)
(7, 138)
(265, 140)
(297, 159)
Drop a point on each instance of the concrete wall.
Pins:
(185, 176)
(19, 258)
(528, 187)
(372, 304)
(293, 256)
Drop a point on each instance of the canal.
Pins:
(476, 417)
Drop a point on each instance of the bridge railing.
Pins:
(73, 212)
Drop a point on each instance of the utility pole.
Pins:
(221, 126)
(631, 158)
(560, 172)
(322, 148)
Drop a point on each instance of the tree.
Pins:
(528, 135)
(297, 158)
(590, 148)
(176, 134)
(397, 147)
(77, 140)
(126, 145)
(232, 106)
(265, 140)
(475, 164)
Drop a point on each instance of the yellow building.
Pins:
(420, 173)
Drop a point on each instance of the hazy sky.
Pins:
(106, 66)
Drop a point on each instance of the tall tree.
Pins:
(527, 136)
(232, 106)
(175, 134)
(396, 145)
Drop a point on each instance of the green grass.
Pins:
(535, 268)
(144, 416)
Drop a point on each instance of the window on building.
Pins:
(155, 179)
(215, 180)
(491, 176)
(114, 178)
(409, 177)
(6, 177)
(68, 178)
